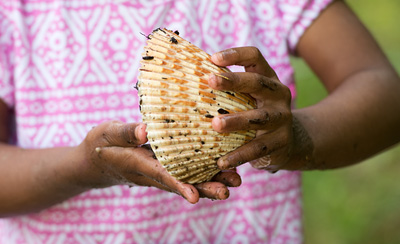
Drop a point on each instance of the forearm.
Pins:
(35, 179)
(359, 119)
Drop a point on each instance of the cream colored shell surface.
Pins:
(178, 106)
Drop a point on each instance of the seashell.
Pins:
(178, 106)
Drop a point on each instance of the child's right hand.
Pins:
(112, 154)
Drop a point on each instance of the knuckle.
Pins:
(261, 149)
(111, 126)
(267, 83)
(262, 162)
(111, 134)
(228, 54)
(254, 52)
(95, 135)
(258, 119)
(106, 137)
(128, 135)
(236, 81)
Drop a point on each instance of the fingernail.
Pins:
(217, 57)
(219, 123)
(226, 194)
(140, 133)
(222, 164)
(212, 80)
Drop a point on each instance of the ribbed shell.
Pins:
(178, 106)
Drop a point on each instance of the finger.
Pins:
(141, 180)
(249, 57)
(213, 190)
(153, 169)
(132, 161)
(228, 178)
(257, 148)
(186, 192)
(258, 86)
(125, 134)
(256, 119)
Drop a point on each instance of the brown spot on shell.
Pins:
(164, 85)
(165, 100)
(182, 95)
(202, 111)
(203, 86)
(207, 94)
(230, 93)
(168, 71)
(199, 74)
(178, 81)
(176, 61)
(196, 63)
(147, 57)
(173, 40)
(186, 103)
(159, 29)
(222, 111)
(207, 100)
(182, 88)
(205, 71)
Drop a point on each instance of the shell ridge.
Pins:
(178, 106)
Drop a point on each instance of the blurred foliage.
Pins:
(357, 204)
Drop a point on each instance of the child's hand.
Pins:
(113, 154)
(272, 118)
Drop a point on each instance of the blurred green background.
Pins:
(361, 203)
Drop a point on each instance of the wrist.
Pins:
(87, 173)
(302, 153)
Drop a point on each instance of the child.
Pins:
(69, 66)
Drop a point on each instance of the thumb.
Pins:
(124, 134)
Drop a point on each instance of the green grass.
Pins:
(361, 203)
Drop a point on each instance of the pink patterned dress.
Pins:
(67, 65)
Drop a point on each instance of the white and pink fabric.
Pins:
(67, 65)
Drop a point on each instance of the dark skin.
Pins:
(111, 154)
(4, 126)
(358, 119)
